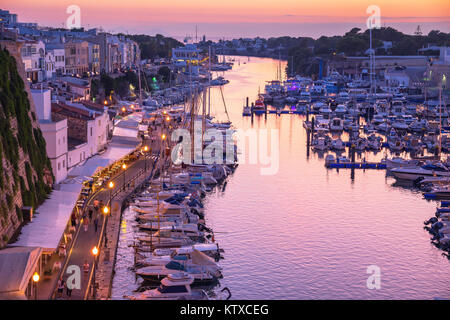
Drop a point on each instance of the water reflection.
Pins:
(308, 232)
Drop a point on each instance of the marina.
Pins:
(307, 242)
(205, 160)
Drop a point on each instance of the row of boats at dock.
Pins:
(174, 249)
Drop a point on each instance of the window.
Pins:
(59, 166)
(91, 131)
(64, 163)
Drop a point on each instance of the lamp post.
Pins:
(36, 278)
(94, 252)
(145, 150)
(163, 138)
(124, 167)
(106, 212)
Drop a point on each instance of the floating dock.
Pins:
(355, 165)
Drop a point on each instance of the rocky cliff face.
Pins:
(25, 170)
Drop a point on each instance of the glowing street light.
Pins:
(124, 167)
(94, 251)
(35, 278)
(163, 136)
(105, 210)
(111, 185)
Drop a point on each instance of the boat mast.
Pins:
(209, 83)
(139, 77)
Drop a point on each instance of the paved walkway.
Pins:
(84, 241)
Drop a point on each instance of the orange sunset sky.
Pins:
(236, 17)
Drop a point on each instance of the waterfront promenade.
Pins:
(84, 241)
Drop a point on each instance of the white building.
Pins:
(396, 78)
(54, 60)
(33, 58)
(54, 133)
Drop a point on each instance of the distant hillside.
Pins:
(25, 171)
(302, 52)
(155, 46)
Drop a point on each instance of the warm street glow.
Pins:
(94, 251)
(105, 210)
(163, 136)
(124, 166)
(111, 184)
(36, 277)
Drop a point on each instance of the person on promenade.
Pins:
(85, 266)
(86, 223)
(61, 284)
(96, 206)
(68, 290)
(73, 219)
(90, 214)
(96, 223)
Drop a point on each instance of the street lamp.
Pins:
(110, 186)
(124, 167)
(145, 149)
(35, 278)
(94, 252)
(106, 213)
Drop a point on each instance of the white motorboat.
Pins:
(429, 170)
(175, 286)
(210, 249)
(206, 272)
(396, 145)
(336, 124)
(186, 255)
(398, 162)
(320, 144)
(340, 110)
(337, 144)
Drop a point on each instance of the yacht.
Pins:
(428, 170)
(320, 144)
(206, 272)
(398, 162)
(340, 110)
(325, 110)
(336, 124)
(219, 81)
(175, 286)
(338, 144)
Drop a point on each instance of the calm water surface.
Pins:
(308, 232)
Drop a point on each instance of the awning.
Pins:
(48, 225)
(17, 266)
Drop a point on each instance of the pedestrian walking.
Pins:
(96, 206)
(86, 224)
(61, 283)
(90, 214)
(96, 223)
(85, 266)
(73, 219)
(68, 290)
